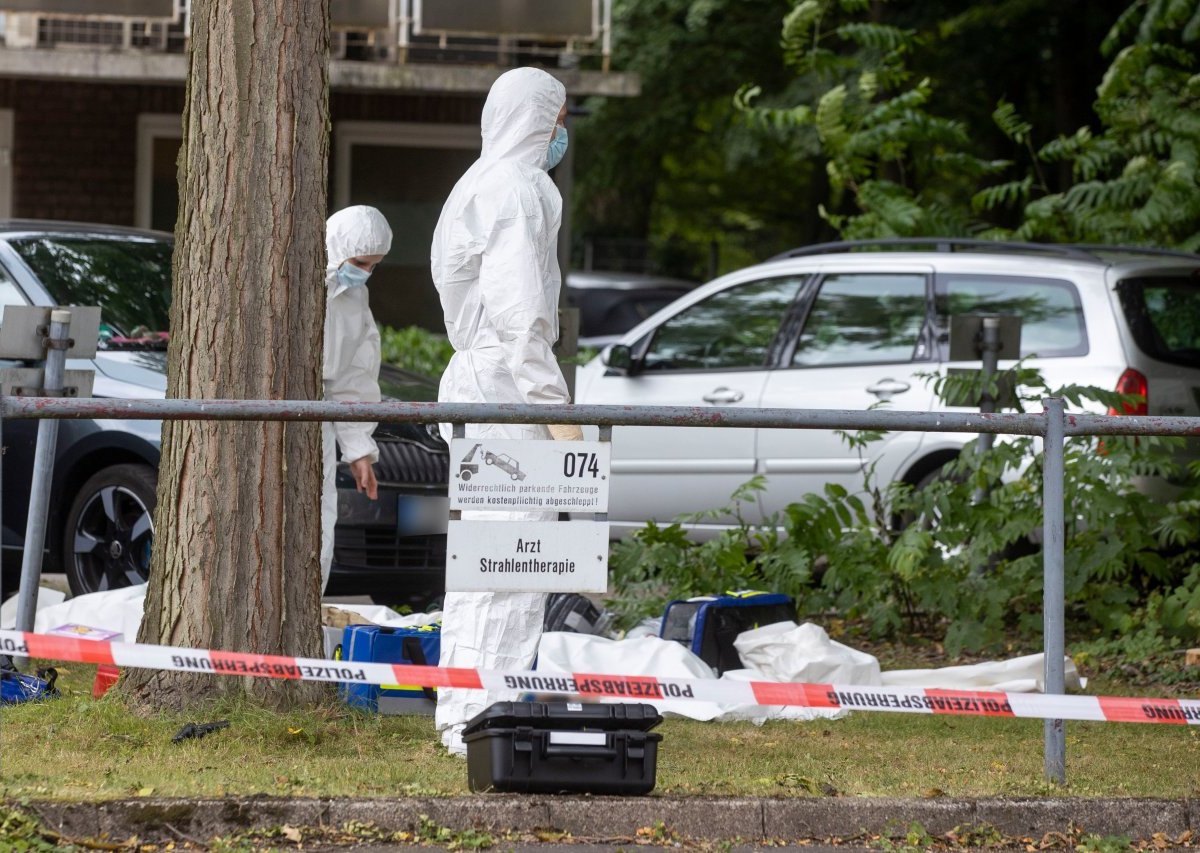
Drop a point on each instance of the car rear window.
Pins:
(1052, 323)
(128, 277)
(1163, 313)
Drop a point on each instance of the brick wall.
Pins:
(75, 144)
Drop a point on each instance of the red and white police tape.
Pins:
(594, 686)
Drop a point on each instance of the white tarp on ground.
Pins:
(1016, 675)
(786, 651)
(120, 610)
(567, 652)
(46, 598)
(782, 652)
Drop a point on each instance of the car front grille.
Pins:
(380, 549)
(406, 462)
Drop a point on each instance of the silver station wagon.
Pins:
(847, 325)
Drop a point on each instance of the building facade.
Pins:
(91, 94)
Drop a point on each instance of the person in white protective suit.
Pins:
(494, 262)
(356, 239)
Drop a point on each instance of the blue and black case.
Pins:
(378, 644)
(708, 626)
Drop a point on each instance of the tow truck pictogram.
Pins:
(467, 468)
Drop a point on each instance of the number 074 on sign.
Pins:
(515, 475)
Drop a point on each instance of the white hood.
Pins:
(350, 233)
(519, 116)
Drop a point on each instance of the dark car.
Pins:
(100, 528)
(612, 303)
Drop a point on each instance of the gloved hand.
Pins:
(566, 432)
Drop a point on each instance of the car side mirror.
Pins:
(619, 360)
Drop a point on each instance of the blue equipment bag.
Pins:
(709, 625)
(16, 687)
(378, 644)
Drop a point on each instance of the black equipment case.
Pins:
(563, 747)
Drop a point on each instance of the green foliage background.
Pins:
(1073, 121)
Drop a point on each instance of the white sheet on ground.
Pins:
(121, 610)
(1016, 675)
(567, 652)
(46, 597)
(561, 651)
(786, 651)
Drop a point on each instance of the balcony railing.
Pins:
(551, 32)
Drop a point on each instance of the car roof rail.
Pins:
(943, 244)
(1149, 251)
(1077, 251)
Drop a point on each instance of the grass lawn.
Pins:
(79, 748)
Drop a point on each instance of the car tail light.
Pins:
(1132, 382)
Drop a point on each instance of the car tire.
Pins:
(109, 529)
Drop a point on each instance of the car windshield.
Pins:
(1164, 316)
(129, 277)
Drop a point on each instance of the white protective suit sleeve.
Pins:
(352, 356)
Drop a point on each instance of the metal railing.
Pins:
(1053, 424)
(363, 30)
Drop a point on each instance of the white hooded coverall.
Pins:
(351, 366)
(494, 262)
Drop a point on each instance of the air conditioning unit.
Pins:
(532, 19)
(20, 30)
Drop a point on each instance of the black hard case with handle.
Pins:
(563, 747)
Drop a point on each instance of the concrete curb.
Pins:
(701, 818)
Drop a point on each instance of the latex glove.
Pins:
(364, 477)
(566, 432)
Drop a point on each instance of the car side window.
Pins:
(728, 330)
(1051, 315)
(9, 294)
(864, 318)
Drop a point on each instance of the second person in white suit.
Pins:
(495, 265)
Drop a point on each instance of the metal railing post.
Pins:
(1053, 618)
(56, 343)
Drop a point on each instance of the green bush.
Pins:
(942, 563)
(416, 349)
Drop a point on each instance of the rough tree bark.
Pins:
(238, 522)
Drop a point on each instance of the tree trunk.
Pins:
(237, 529)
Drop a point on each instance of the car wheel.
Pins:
(466, 475)
(109, 530)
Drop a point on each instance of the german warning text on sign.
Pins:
(527, 556)
(569, 476)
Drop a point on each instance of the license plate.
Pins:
(421, 515)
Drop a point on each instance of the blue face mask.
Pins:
(351, 276)
(558, 147)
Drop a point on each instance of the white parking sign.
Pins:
(514, 475)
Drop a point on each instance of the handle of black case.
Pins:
(416, 654)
